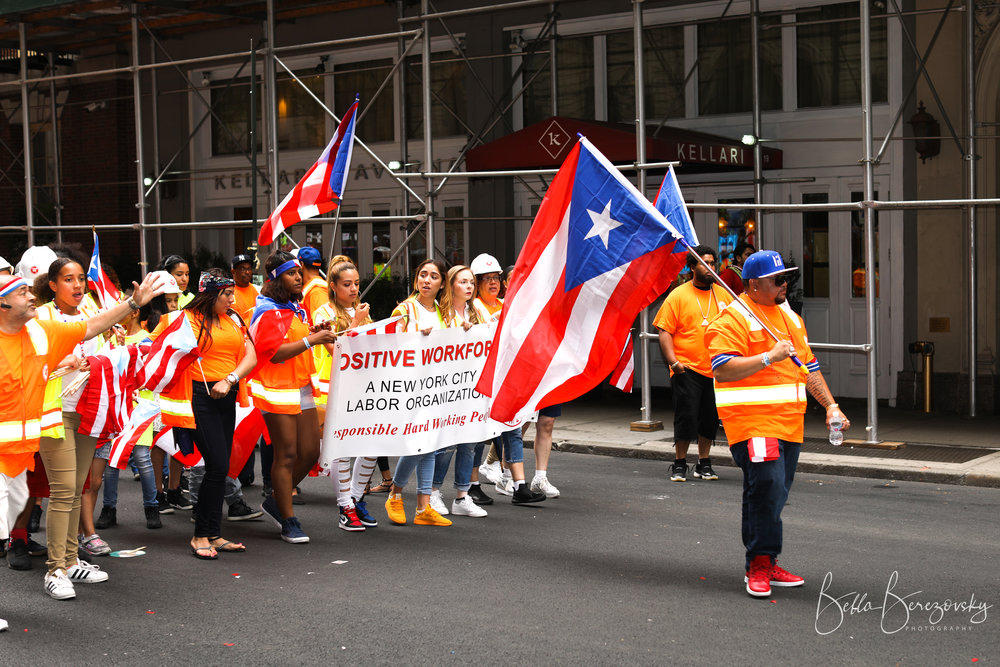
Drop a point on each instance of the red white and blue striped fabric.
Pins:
(138, 423)
(249, 428)
(597, 254)
(99, 281)
(165, 441)
(624, 372)
(169, 355)
(106, 401)
(763, 449)
(321, 189)
(388, 325)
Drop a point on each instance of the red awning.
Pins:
(546, 144)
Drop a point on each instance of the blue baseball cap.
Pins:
(764, 264)
(309, 256)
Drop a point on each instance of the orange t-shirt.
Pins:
(314, 295)
(23, 375)
(219, 358)
(294, 372)
(685, 314)
(246, 299)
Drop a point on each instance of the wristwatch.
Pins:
(233, 379)
(765, 360)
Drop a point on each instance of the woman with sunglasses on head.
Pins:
(420, 312)
(203, 402)
(284, 386)
(458, 312)
(344, 311)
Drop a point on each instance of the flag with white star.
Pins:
(597, 254)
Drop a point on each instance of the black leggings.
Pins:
(215, 421)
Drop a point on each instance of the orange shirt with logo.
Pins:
(685, 314)
(23, 375)
(246, 299)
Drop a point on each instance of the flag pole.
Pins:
(723, 285)
(204, 381)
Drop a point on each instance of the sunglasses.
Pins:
(779, 280)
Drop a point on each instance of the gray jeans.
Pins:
(234, 490)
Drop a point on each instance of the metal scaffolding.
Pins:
(433, 181)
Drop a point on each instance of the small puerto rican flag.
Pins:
(763, 449)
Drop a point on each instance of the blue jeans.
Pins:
(423, 464)
(147, 478)
(513, 446)
(477, 454)
(463, 465)
(765, 490)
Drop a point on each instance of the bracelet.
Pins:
(306, 341)
(233, 378)
(675, 364)
(832, 405)
(132, 304)
(764, 359)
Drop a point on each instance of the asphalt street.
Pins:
(625, 568)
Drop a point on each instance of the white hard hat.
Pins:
(4, 264)
(485, 263)
(168, 281)
(35, 261)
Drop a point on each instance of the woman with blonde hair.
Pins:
(344, 311)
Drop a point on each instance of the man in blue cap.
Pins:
(760, 393)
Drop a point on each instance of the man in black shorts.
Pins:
(682, 320)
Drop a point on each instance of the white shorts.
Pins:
(13, 498)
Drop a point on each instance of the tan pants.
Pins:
(67, 464)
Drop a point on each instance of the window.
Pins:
(858, 248)
(454, 235)
(575, 57)
(829, 56)
(815, 248)
(363, 79)
(381, 245)
(736, 225)
(725, 71)
(663, 53)
(448, 103)
(301, 122)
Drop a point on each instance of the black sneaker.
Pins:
(266, 491)
(164, 506)
(108, 518)
(35, 523)
(178, 500)
(17, 555)
(152, 517)
(240, 511)
(678, 472)
(479, 496)
(523, 495)
(704, 471)
(36, 549)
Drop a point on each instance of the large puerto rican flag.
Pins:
(597, 254)
(99, 281)
(138, 423)
(169, 355)
(322, 188)
(106, 402)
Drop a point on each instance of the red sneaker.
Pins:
(758, 577)
(783, 578)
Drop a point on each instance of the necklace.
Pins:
(711, 297)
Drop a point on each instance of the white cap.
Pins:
(168, 282)
(35, 261)
(485, 264)
(4, 264)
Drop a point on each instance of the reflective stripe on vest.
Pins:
(17, 432)
(774, 394)
(276, 397)
(176, 413)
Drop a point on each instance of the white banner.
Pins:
(407, 393)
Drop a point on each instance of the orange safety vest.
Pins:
(20, 436)
(771, 402)
(276, 387)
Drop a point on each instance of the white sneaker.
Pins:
(492, 472)
(58, 586)
(543, 485)
(3, 625)
(465, 507)
(85, 573)
(437, 502)
(505, 486)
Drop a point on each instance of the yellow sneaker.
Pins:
(429, 517)
(395, 510)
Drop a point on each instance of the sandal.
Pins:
(297, 497)
(226, 546)
(210, 555)
(382, 487)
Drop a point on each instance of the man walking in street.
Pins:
(761, 397)
(682, 321)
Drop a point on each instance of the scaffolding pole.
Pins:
(154, 117)
(869, 212)
(29, 188)
(970, 159)
(140, 163)
(428, 134)
(758, 149)
(271, 107)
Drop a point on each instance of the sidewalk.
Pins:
(944, 449)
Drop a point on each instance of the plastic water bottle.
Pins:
(836, 424)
